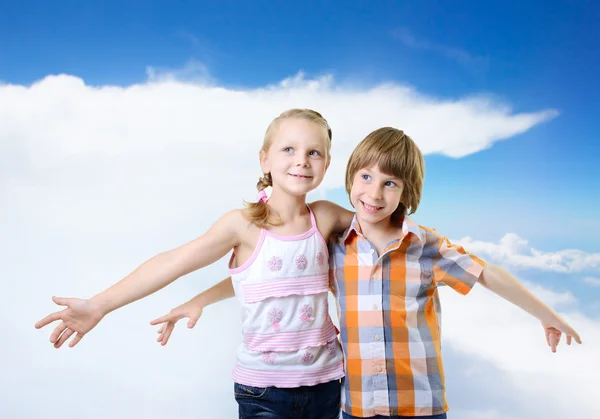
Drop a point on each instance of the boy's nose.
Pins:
(376, 193)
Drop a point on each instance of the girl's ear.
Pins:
(264, 161)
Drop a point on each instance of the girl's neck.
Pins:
(287, 206)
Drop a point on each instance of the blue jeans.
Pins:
(442, 416)
(321, 401)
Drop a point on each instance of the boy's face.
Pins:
(375, 195)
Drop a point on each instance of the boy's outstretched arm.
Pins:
(500, 282)
(193, 309)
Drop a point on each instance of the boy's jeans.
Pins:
(442, 416)
(321, 401)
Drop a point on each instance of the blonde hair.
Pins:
(396, 154)
(259, 212)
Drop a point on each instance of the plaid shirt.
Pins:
(390, 315)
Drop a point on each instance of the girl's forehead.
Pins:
(300, 131)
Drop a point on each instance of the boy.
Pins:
(384, 272)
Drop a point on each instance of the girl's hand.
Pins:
(192, 310)
(554, 328)
(79, 317)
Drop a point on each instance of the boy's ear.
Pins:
(328, 163)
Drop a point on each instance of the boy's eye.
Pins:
(314, 153)
(365, 177)
(287, 149)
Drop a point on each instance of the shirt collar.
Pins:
(408, 226)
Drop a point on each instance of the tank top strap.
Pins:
(313, 221)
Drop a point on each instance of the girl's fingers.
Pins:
(57, 332)
(48, 319)
(569, 337)
(64, 337)
(76, 339)
(61, 301)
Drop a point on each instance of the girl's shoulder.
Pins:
(331, 217)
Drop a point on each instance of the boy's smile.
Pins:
(375, 195)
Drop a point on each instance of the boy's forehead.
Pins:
(374, 168)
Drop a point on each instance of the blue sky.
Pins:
(542, 184)
(530, 55)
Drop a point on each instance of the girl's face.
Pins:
(297, 158)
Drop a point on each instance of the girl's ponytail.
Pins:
(259, 212)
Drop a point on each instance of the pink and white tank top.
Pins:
(289, 339)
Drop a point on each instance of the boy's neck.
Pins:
(384, 231)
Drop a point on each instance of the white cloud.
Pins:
(514, 251)
(592, 281)
(463, 57)
(488, 328)
(94, 180)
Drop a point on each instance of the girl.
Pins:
(290, 360)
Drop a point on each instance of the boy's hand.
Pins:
(555, 328)
(192, 310)
(79, 317)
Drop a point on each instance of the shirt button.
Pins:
(375, 306)
(372, 251)
(377, 337)
(379, 369)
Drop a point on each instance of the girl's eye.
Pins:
(390, 184)
(315, 153)
(365, 177)
(287, 149)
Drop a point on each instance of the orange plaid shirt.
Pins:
(390, 314)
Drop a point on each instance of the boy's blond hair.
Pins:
(259, 212)
(396, 154)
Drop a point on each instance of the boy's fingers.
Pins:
(159, 320)
(569, 339)
(167, 334)
(171, 317)
(554, 340)
(191, 323)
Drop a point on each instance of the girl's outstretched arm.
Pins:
(80, 316)
(500, 282)
(193, 309)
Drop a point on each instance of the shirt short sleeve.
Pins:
(455, 267)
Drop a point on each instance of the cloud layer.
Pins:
(96, 179)
(512, 250)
